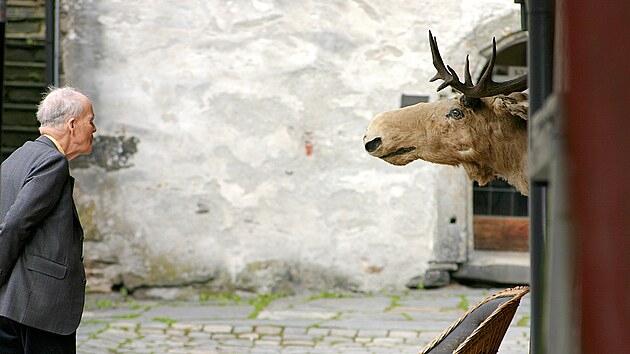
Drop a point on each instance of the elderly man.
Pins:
(42, 279)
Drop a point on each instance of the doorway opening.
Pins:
(500, 216)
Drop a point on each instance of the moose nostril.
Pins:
(372, 145)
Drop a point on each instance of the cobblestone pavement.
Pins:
(322, 323)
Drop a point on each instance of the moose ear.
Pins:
(515, 104)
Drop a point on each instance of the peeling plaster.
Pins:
(110, 153)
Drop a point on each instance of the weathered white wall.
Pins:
(205, 109)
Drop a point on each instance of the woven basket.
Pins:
(487, 337)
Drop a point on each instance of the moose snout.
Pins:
(373, 144)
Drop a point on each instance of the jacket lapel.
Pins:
(74, 208)
(77, 220)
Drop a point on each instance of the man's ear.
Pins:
(71, 124)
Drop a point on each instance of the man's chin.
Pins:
(88, 150)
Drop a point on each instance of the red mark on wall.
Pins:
(308, 146)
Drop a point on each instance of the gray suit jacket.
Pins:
(42, 279)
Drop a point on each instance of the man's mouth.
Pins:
(399, 152)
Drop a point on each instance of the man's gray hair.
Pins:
(59, 105)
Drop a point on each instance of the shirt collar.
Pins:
(56, 143)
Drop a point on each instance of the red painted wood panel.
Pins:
(501, 233)
(598, 148)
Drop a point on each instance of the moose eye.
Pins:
(455, 113)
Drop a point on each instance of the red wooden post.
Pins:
(598, 162)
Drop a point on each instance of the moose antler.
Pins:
(485, 87)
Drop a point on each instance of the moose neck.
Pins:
(516, 175)
(506, 158)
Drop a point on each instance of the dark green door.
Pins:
(24, 72)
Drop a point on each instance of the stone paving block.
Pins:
(140, 343)
(117, 334)
(267, 342)
(388, 341)
(347, 345)
(124, 325)
(233, 350)
(154, 325)
(204, 350)
(268, 330)
(217, 328)
(298, 337)
(237, 343)
(265, 350)
(325, 349)
(155, 337)
(417, 341)
(295, 350)
(103, 344)
(297, 342)
(403, 334)
(243, 329)
(249, 336)
(507, 348)
(187, 326)
(179, 339)
(331, 339)
(294, 330)
(150, 331)
(207, 345)
(372, 333)
(223, 336)
(429, 335)
(431, 304)
(318, 332)
(353, 351)
(199, 335)
(173, 344)
(343, 332)
(175, 332)
(272, 338)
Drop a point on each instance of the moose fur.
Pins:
(485, 135)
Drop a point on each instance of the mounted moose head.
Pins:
(484, 130)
